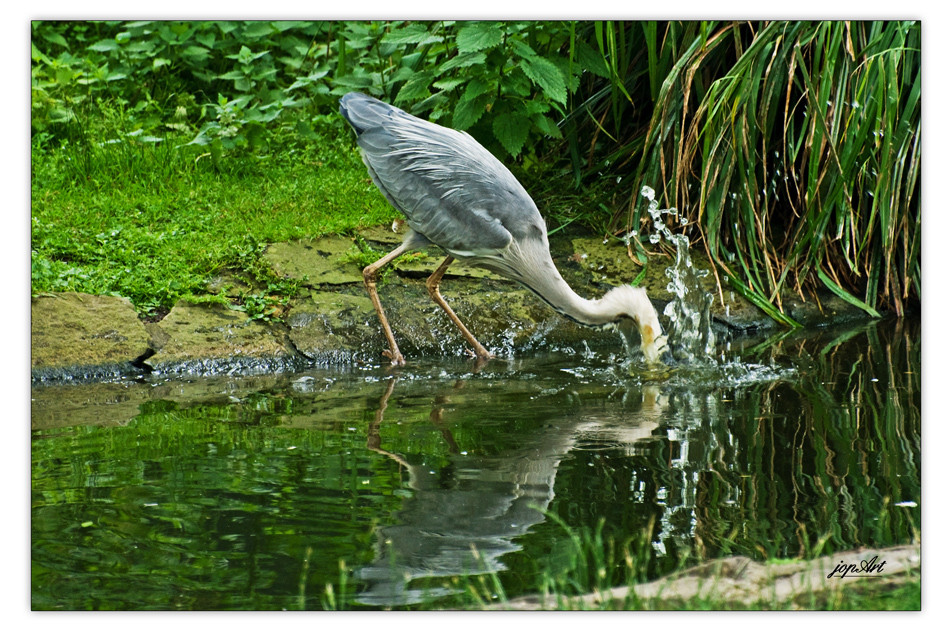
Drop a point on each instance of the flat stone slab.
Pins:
(340, 328)
(424, 267)
(385, 235)
(331, 328)
(317, 261)
(209, 338)
(77, 335)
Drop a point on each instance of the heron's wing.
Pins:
(451, 189)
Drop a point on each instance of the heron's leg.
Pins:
(432, 284)
(370, 275)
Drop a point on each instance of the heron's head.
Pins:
(632, 304)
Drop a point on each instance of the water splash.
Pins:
(690, 336)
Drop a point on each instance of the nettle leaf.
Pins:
(56, 38)
(522, 49)
(475, 88)
(411, 34)
(477, 36)
(592, 61)
(516, 83)
(511, 130)
(463, 61)
(448, 84)
(547, 76)
(259, 29)
(205, 38)
(415, 89)
(198, 53)
(105, 45)
(467, 112)
(547, 126)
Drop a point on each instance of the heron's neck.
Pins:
(548, 284)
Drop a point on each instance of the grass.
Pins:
(592, 563)
(155, 222)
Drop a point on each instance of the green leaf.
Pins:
(415, 89)
(448, 84)
(475, 88)
(305, 131)
(105, 45)
(590, 60)
(37, 55)
(55, 38)
(259, 29)
(64, 75)
(197, 53)
(547, 76)
(547, 126)
(414, 33)
(467, 112)
(511, 129)
(205, 38)
(844, 295)
(463, 61)
(61, 114)
(478, 36)
(522, 49)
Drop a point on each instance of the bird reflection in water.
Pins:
(462, 520)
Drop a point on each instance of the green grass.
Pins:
(591, 562)
(154, 221)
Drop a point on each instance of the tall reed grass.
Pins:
(792, 148)
(802, 162)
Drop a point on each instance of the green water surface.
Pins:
(373, 488)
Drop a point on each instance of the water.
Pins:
(376, 488)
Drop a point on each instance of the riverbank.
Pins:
(331, 321)
(880, 580)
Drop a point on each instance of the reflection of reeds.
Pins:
(833, 451)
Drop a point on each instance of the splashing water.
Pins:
(690, 336)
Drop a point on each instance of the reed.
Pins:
(794, 148)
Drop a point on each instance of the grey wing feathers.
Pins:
(450, 188)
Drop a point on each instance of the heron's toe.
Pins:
(395, 359)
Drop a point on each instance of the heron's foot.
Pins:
(394, 358)
(481, 354)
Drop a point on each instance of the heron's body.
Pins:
(457, 195)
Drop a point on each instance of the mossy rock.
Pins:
(77, 335)
(336, 328)
(331, 328)
(212, 338)
(316, 262)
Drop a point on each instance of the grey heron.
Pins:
(455, 194)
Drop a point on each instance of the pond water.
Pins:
(440, 483)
